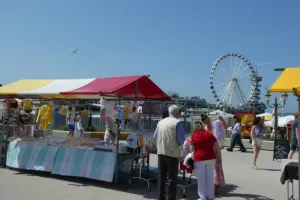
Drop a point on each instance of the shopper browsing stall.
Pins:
(206, 149)
(169, 135)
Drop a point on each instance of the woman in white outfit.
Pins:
(205, 146)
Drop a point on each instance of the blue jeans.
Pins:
(237, 139)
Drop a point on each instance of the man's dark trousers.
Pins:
(167, 168)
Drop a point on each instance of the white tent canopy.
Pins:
(220, 112)
(264, 114)
(282, 121)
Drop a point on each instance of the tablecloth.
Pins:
(67, 161)
(290, 172)
(92, 164)
(31, 156)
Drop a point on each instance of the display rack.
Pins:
(187, 185)
(141, 163)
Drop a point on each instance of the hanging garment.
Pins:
(2, 111)
(120, 115)
(64, 110)
(12, 103)
(44, 116)
(133, 140)
(141, 141)
(126, 112)
(27, 105)
(109, 136)
(84, 112)
(102, 113)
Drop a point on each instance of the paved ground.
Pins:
(242, 183)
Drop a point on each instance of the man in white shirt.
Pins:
(236, 136)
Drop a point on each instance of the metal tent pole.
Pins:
(298, 98)
(117, 149)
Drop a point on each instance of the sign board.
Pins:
(281, 149)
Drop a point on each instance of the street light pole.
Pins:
(276, 106)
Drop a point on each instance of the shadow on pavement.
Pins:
(138, 187)
(229, 191)
(272, 170)
(248, 196)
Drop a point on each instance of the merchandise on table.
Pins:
(142, 138)
(109, 136)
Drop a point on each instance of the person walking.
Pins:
(205, 148)
(257, 134)
(295, 136)
(236, 136)
(169, 136)
(218, 128)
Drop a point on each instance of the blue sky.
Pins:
(174, 41)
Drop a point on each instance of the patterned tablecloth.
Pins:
(67, 161)
(31, 156)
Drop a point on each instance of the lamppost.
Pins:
(275, 105)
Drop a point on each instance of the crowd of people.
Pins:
(206, 142)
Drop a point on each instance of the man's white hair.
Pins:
(173, 110)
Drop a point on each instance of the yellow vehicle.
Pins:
(246, 122)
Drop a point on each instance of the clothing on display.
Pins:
(109, 136)
(12, 103)
(133, 140)
(64, 110)
(84, 112)
(126, 111)
(2, 111)
(102, 108)
(26, 118)
(27, 105)
(44, 116)
(142, 138)
(120, 115)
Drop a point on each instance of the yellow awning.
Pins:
(289, 79)
(22, 86)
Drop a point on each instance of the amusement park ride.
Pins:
(235, 84)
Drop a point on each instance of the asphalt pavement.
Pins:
(242, 182)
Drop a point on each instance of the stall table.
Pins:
(67, 161)
(290, 173)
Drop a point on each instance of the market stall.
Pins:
(81, 157)
(288, 82)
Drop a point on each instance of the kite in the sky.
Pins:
(74, 51)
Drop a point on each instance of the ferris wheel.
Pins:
(232, 80)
